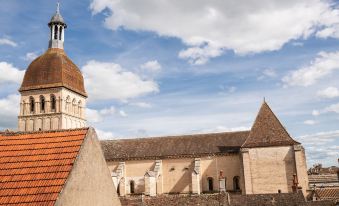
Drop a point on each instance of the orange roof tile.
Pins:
(35, 166)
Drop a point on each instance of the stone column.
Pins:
(301, 167)
(122, 187)
(246, 171)
(196, 177)
(222, 182)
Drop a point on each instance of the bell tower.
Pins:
(52, 92)
(57, 27)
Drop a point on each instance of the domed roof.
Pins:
(57, 18)
(53, 69)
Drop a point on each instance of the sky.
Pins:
(155, 68)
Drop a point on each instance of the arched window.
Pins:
(210, 183)
(60, 32)
(131, 186)
(79, 108)
(31, 105)
(236, 185)
(55, 32)
(74, 106)
(42, 103)
(67, 103)
(53, 103)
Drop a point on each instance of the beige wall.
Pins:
(177, 173)
(89, 182)
(271, 169)
(300, 162)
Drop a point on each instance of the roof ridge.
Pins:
(14, 133)
(174, 136)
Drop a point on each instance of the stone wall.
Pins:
(269, 169)
(287, 199)
(89, 182)
(176, 174)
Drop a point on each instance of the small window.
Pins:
(60, 32)
(131, 185)
(53, 103)
(210, 183)
(55, 32)
(31, 105)
(236, 185)
(42, 103)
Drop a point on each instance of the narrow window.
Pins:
(210, 183)
(236, 185)
(60, 33)
(31, 105)
(131, 185)
(53, 103)
(42, 103)
(55, 32)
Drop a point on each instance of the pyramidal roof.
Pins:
(268, 131)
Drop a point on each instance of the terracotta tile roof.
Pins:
(34, 166)
(328, 178)
(328, 194)
(268, 131)
(53, 69)
(164, 147)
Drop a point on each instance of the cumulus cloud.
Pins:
(267, 73)
(10, 73)
(332, 108)
(104, 135)
(9, 109)
(329, 92)
(107, 80)
(30, 56)
(151, 66)
(5, 41)
(208, 28)
(95, 116)
(322, 66)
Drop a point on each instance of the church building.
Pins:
(52, 133)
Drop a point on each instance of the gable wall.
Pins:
(270, 169)
(89, 182)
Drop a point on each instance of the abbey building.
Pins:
(263, 160)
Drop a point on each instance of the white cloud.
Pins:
(122, 113)
(268, 73)
(310, 122)
(9, 109)
(5, 41)
(315, 113)
(141, 104)
(98, 115)
(332, 108)
(10, 74)
(210, 27)
(322, 66)
(104, 135)
(329, 92)
(106, 80)
(199, 55)
(30, 56)
(321, 146)
(151, 66)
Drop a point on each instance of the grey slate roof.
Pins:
(185, 145)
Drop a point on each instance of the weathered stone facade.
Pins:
(238, 162)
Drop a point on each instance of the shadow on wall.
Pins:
(184, 180)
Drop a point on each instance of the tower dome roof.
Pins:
(53, 69)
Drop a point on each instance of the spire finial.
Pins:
(58, 7)
(264, 100)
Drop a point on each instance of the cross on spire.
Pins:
(58, 7)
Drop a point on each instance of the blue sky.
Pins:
(166, 68)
